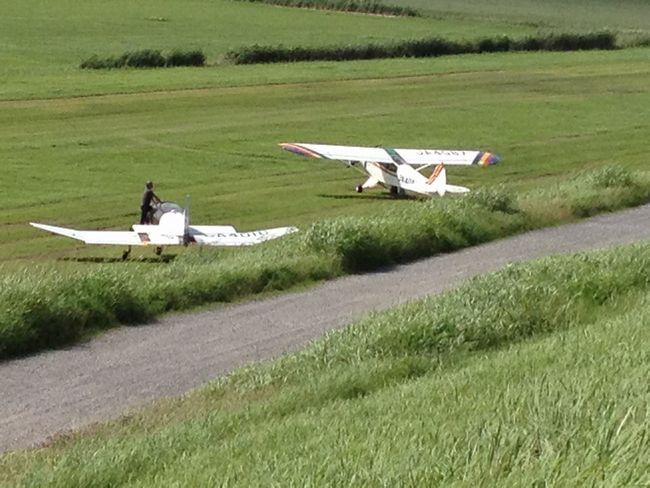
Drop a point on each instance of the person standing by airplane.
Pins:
(148, 196)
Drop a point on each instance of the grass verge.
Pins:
(533, 375)
(49, 308)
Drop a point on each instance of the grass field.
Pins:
(76, 146)
(44, 42)
(631, 17)
(68, 32)
(536, 375)
(81, 161)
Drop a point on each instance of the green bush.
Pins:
(361, 6)
(419, 48)
(146, 58)
(185, 58)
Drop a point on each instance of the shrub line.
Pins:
(146, 58)
(420, 48)
(414, 48)
(355, 6)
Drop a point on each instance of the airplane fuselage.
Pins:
(384, 174)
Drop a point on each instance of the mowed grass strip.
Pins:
(535, 374)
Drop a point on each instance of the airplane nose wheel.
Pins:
(359, 189)
(158, 251)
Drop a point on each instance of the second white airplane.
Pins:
(399, 170)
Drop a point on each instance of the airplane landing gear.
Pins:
(158, 250)
(126, 254)
(359, 188)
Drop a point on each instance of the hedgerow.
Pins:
(48, 308)
(146, 58)
(360, 6)
(419, 48)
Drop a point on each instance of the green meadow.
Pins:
(76, 147)
(44, 42)
(630, 17)
(535, 375)
(81, 161)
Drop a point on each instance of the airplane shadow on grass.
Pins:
(378, 196)
(164, 259)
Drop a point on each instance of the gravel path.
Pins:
(124, 368)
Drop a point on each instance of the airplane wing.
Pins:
(211, 229)
(110, 237)
(234, 238)
(124, 238)
(382, 155)
(342, 153)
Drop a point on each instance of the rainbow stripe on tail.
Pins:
(486, 159)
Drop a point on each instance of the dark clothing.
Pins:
(147, 197)
(145, 215)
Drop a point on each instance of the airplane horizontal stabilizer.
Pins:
(231, 239)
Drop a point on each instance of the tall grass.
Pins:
(533, 375)
(420, 48)
(490, 311)
(48, 308)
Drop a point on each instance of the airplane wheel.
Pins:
(394, 190)
(158, 251)
(359, 189)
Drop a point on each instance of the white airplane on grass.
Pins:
(171, 228)
(399, 170)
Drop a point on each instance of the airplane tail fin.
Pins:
(412, 180)
(438, 180)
